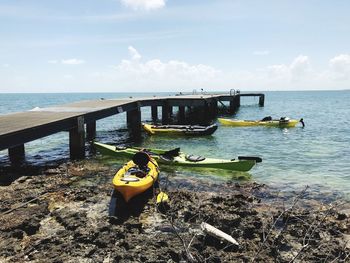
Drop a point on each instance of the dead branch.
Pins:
(213, 231)
(296, 200)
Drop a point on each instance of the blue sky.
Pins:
(173, 45)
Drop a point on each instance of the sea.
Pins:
(317, 155)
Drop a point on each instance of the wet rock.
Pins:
(341, 216)
(26, 219)
(79, 228)
(71, 220)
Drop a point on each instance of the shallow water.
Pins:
(316, 155)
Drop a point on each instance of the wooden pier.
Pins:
(16, 129)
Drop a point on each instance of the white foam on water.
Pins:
(67, 109)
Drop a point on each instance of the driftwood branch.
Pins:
(213, 231)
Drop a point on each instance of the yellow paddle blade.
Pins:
(162, 197)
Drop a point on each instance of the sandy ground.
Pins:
(65, 214)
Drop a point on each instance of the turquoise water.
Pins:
(316, 155)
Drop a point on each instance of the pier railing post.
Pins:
(91, 130)
(17, 153)
(154, 111)
(77, 139)
(133, 118)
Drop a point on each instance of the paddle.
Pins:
(162, 197)
(143, 158)
(254, 158)
(170, 153)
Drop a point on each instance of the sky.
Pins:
(173, 45)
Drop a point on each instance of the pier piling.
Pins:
(165, 113)
(206, 114)
(133, 118)
(154, 112)
(17, 153)
(77, 139)
(213, 108)
(235, 102)
(181, 115)
(91, 130)
(261, 100)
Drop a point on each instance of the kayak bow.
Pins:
(287, 123)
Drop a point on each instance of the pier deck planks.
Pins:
(19, 128)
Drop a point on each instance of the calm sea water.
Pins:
(317, 155)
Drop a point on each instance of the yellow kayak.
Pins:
(282, 123)
(133, 179)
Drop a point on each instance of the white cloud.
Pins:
(154, 75)
(72, 61)
(300, 67)
(135, 55)
(297, 71)
(340, 66)
(144, 4)
(158, 74)
(5, 65)
(261, 52)
(134, 74)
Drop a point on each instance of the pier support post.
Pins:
(17, 153)
(213, 107)
(262, 100)
(234, 103)
(77, 140)
(181, 115)
(165, 113)
(205, 114)
(154, 111)
(171, 112)
(238, 100)
(91, 130)
(133, 119)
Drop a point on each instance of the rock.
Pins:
(79, 228)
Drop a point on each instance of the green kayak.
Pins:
(175, 157)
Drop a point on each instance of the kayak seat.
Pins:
(284, 120)
(166, 158)
(130, 179)
(268, 118)
(140, 173)
(119, 148)
(194, 158)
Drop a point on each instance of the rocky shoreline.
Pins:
(65, 214)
